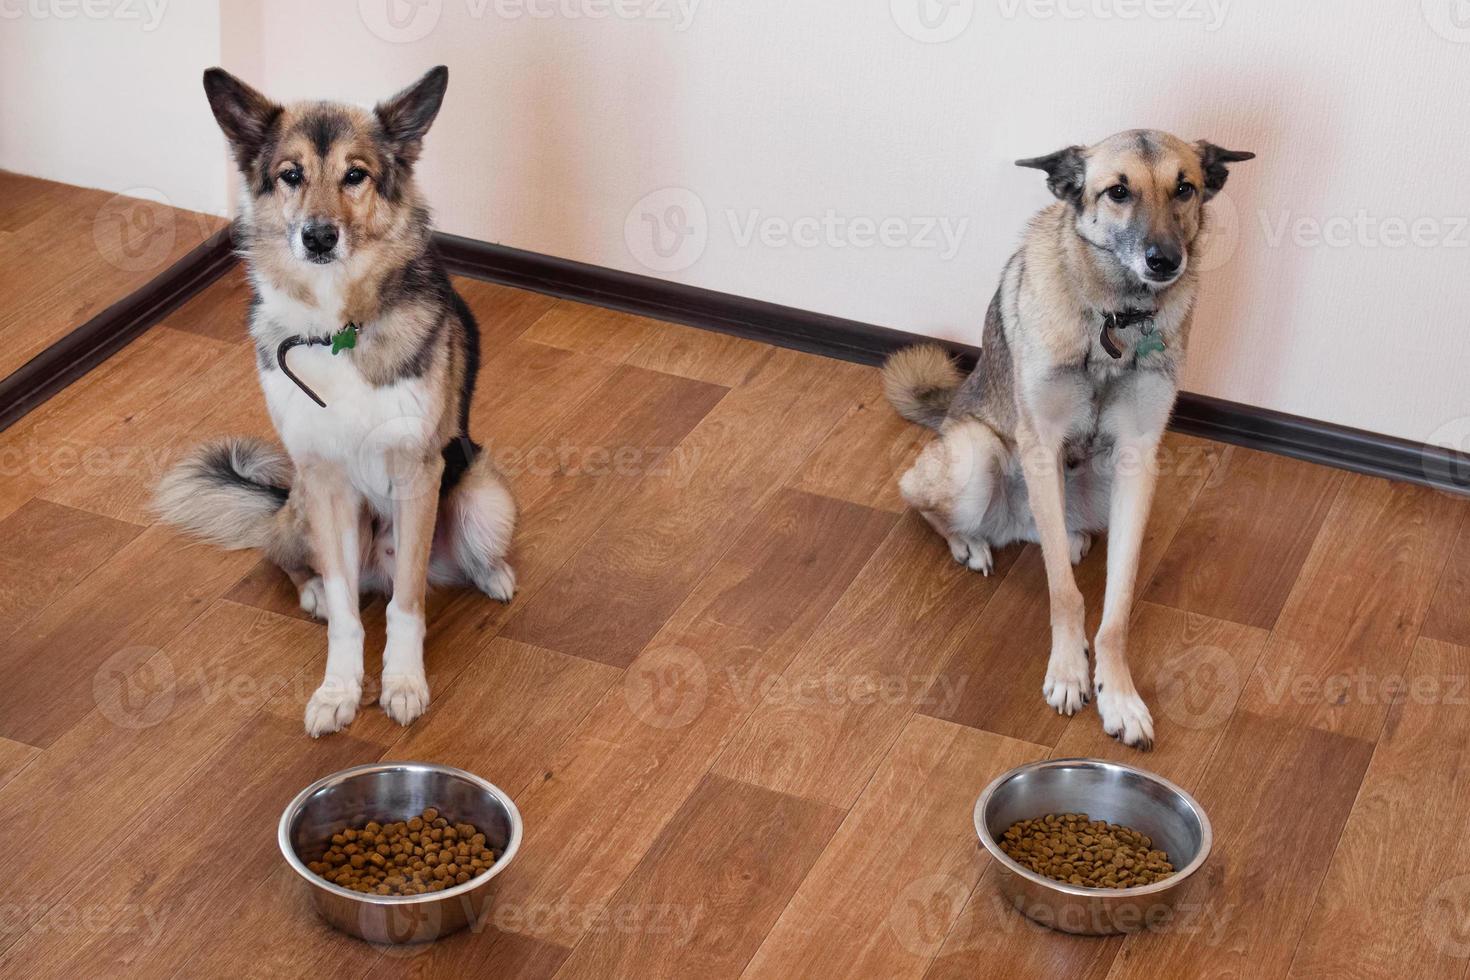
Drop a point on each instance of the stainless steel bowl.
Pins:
(388, 792)
(1107, 791)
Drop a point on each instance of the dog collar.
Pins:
(1122, 320)
(344, 339)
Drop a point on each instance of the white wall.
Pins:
(560, 123)
(105, 93)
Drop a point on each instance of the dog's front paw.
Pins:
(1126, 717)
(1066, 679)
(405, 696)
(332, 707)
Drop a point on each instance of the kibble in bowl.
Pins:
(1089, 846)
(1072, 848)
(425, 853)
(401, 852)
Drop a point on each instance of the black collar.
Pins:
(344, 339)
(1121, 320)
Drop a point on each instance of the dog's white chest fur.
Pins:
(363, 427)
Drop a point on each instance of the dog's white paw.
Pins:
(1126, 717)
(405, 696)
(1080, 543)
(973, 554)
(498, 580)
(332, 707)
(314, 598)
(1066, 680)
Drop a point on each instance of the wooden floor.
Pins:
(744, 701)
(68, 253)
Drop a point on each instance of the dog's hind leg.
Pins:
(953, 483)
(474, 535)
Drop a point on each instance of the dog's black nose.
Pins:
(321, 237)
(1162, 260)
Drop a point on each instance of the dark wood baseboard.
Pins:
(109, 331)
(1210, 418)
(1199, 415)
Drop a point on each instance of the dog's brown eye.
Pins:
(355, 176)
(1184, 192)
(292, 177)
(1118, 193)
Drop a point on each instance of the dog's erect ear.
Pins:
(408, 115)
(1066, 172)
(1213, 159)
(245, 115)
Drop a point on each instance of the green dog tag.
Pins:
(344, 339)
(1148, 344)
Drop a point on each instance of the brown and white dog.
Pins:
(1054, 434)
(367, 358)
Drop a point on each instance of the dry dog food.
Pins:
(426, 853)
(1071, 848)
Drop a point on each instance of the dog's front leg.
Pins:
(1124, 715)
(416, 508)
(1040, 446)
(334, 514)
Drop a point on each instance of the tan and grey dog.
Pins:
(1054, 434)
(367, 358)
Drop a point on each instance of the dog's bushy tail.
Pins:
(920, 382)
(227, 492)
